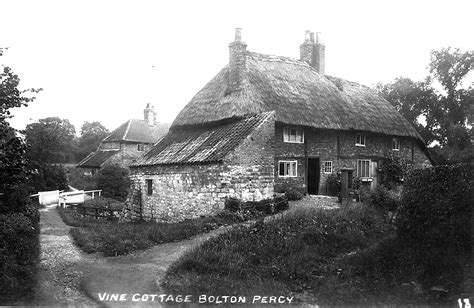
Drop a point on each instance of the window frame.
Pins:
(149, 187)
(290, 162)
(369, 162)
(287, 135)
(396, 144)
(362, 142)
(141, 147)
(324, 166)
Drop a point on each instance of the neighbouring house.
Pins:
(127, 143)
(264, 124)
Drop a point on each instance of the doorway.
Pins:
(314, 169)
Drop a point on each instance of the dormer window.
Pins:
(395, 144)
(360, 140)
(293, 135)
(141, 147)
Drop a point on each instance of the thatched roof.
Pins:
(96, 159)
(202, 144)
(299, 95)
(135, 130)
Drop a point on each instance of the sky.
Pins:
(99, 60)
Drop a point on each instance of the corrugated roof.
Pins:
(201, 144)
(135, 130)
(96, 159)
(299, 95)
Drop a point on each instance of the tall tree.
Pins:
(19, 219)
(92, 133)
(50, 140)
(443, 114)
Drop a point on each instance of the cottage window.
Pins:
(287, 168)
(328, 167)
(360, 140)
(293, 135)
(141, 147)
(149, 187)
(396, 144)
(363, 168)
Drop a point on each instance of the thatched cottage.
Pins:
(127, 143)
(300, 126)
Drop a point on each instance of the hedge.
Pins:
(19, 253)
(435, 217)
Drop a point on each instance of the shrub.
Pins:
(435, 218)
(384, 199)
(232, 204)
(334, 183)
(79, 180)
(49, 177)
(114, 182)
(292, 192)
(393, 170)
(19, 252)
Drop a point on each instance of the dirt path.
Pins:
(69, 276)
(59, 275)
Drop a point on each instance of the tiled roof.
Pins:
(96, 159)
(202, 144)
(135, 130)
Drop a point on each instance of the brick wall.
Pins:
(339, 148)
(189, 191)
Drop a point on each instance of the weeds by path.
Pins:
(113, 238)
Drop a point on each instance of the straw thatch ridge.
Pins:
(299, 95)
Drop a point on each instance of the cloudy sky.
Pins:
(104, 60)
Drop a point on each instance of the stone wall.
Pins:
(127, 155)
(187, 191)
(339, 148)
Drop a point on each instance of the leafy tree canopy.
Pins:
(445, 112)
(92, 133)
(50, 140)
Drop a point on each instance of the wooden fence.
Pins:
(96, 212)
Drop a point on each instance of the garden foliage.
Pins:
(435, 217)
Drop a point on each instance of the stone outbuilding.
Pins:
(319, 124)
(127, 143)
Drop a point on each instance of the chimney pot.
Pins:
(306, 36)
(238, 34)
(318, 37)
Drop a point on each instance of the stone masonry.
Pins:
(186, 191)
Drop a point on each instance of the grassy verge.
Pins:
(311, 253)
(113, 238)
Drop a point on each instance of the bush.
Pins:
(49, 177)
(384, 199)
(19, 252)
(292, 193)
(435, 217)
(114, 182)
(393, 170)
(79, 180)
(334, 184)
(232, 204)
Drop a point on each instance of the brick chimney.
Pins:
(149, 114)
(313, 51)
(237, 50)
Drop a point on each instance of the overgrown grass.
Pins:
(302, 252)
(113, 238)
